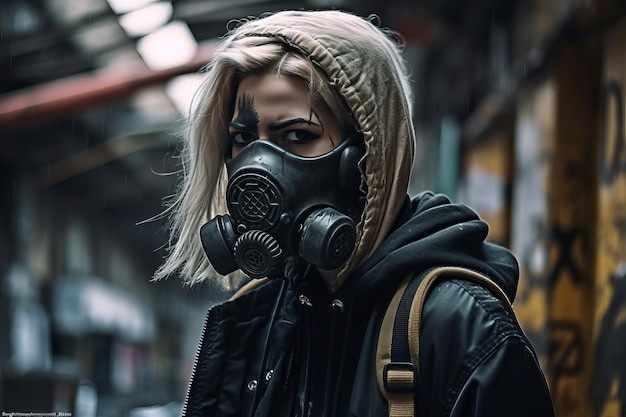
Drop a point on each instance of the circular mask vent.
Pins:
(255, 201)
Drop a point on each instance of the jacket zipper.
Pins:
(195, 363)
(304, 401)
(264, 362)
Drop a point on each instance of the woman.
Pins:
(296, 173)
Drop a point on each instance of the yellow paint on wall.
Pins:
(610, 310)
(488, 161)
(612, 408)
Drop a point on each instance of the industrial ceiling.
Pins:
(86, 115)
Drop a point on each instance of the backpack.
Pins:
(397, 354)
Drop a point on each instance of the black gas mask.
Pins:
(283, 205)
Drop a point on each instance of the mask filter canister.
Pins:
(327, 238)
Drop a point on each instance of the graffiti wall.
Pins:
(609, 382)
(552, 228)
(572, 230)
(534, 150)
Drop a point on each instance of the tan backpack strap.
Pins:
(252, 285)
(398, 381)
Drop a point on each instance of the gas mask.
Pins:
(283, 205)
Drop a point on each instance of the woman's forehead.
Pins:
(268, 90)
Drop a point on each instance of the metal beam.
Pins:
(95, 156)
(59, 99)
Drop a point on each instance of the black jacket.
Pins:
(289, 348)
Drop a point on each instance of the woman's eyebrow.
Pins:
(286, 123)
(247, 117)
(241, 125)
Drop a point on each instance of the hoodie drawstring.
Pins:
(338, 309)
(342, 361)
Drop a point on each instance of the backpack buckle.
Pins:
(400, 377)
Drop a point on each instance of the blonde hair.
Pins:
(201, 193)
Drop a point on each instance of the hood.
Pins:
(344, 46)
(432, 232)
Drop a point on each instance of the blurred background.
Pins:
(519, 113)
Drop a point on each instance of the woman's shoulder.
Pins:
(471, 341)
(460, 303)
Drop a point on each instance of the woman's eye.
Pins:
(300, 136)
(242, 138)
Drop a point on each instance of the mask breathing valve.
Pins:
(258, 254)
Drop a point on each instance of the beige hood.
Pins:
(366, 74)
